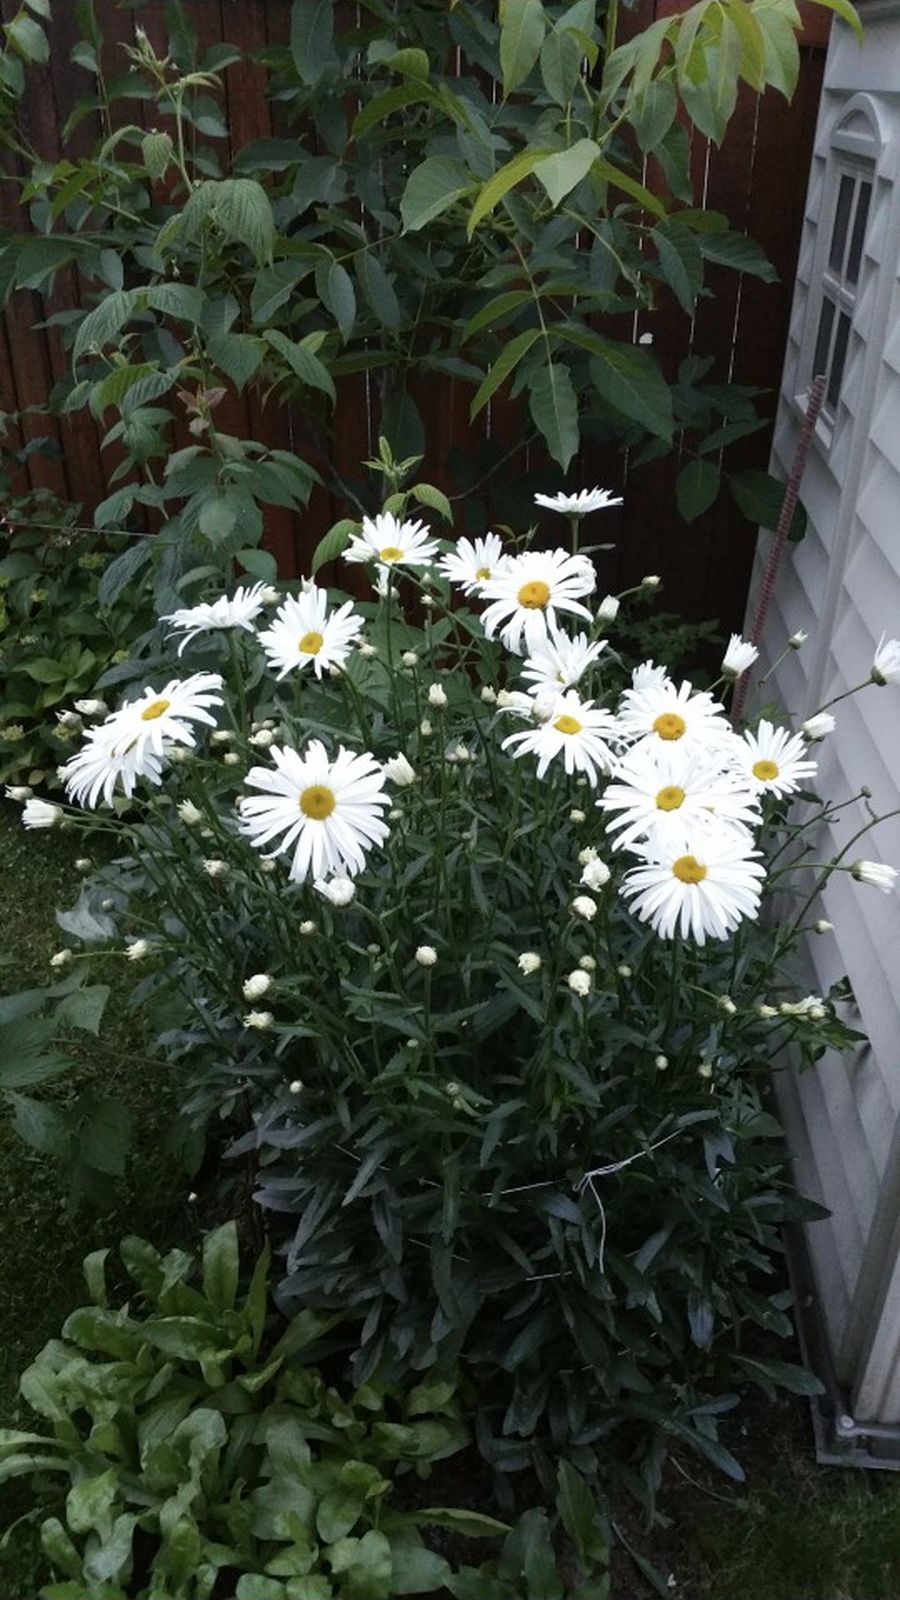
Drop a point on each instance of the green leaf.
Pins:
(274, 287)
(580, 1518)
(435, 499)
(492, 192)
(554, 407)
(377, 289)
(782, 1374)
(239, 208)
(335, 289)
(122, 571)
(561, 65)
(221, 1266)
(508, 358)
(736, 250)
(384, 105)
(299, 357)
(312, 34)
(696, 488)
(653, 114)
(24, 1057)
(417, 1570)
(334, 542)
(217, 516)
(259, 563)
(411, 62)
(157, 150)
(106, 1138)
(629, 380)
(848, 12)
(621, 180)
(237, 355)
(474, 1524)
(182, 301)
(39, 1125)
(94, 1269)
(104, 323)
(682, 262)
(760, 497)
(364, 1565)
(701, 1319)
(438, 183)
(84, 1007)
(28, 38)
(496, 308)
(522, 29)
(560, 173)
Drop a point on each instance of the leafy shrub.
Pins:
(203, 1457)
(502, 1119)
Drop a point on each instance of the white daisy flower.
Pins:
(668, 796)
(392, 543)
(400, 772)
(559, 660)
(886, 665)
(102, 763)
(230, 611)
(303, 633)
(473, 561)
(773, 760)
(701, 895)
(580, 504)
(162, 717)
(328, 812)
(137, 949)
(656, 711)
(526, 595)
(38, 813)
(739, 655)
(876, 873)
(576, 731)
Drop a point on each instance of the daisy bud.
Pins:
(577, 816)
(583, 906)
(579, 982)
(107, 905)
(222, 736)
(817, 1013)
(178, 754)
(876, 873)
(269, 595)
(886, 665)
(231, 758)
(739, 655)
(437, 697)
(427, 601)
(705, 1070)
(395, 814)
(339, 890)
(68, 719)
(40, 813)
(462, 754)
(137, 949)
(367, 651)
(588, 964)
(18, 791)
(764, 1011)
(214, 867)
(504, 699)
(255, 987)
(595, 874)
(189, 813)
(586, 855)
(398, 769)
(651, 581)
(83, 864)
(62, 958)
(823, 925)
(624, 970)
(727, 1005)
(818, 726)
(306, 928)
(262, 739)
(258, 1019)
(267, 866)
(91, 708)
(192, 1196)
(373, 949)
(660, 1062)
(797, 640)
(529, 962)
(488, 695)
(409, 658)
(295, 1086)
(608, 609)
(425, 728)
(426, 955)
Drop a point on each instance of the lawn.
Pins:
(797, 1532)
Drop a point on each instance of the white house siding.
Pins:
(842, 586)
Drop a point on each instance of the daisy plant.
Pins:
(506, 1102)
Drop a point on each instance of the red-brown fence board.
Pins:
(758, 178)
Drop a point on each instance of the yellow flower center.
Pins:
(567, 724)
(765, 771)
(483, 574)
(669, 725)
(317, 802)
(670, 798)
(534, 595)
(311, 643)
(688, 869)
(155, 709)
(391, 553)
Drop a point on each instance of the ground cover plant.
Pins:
(455, 925)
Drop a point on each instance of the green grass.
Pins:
(796, 1532)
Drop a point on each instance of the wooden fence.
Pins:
(758, 179)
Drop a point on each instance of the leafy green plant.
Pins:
(203, 1455)
(436, 230)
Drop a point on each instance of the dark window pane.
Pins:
(823, 339)
(863, 201)
(838, 358)
(841, 223)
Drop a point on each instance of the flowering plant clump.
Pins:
(502, 903)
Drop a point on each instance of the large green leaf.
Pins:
(432, 187)
(560, 173)
(312, 33)
(221, 1266)
(302, 361)
(738, 251)
(681, 260)
(492, 192)
(522, 29)
(760, 497)
(554, 407)
(508, 359)
(378, 290)
(40, 1125)
(628, 379)
(335, 289)
(696, 488)
(561, 58)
